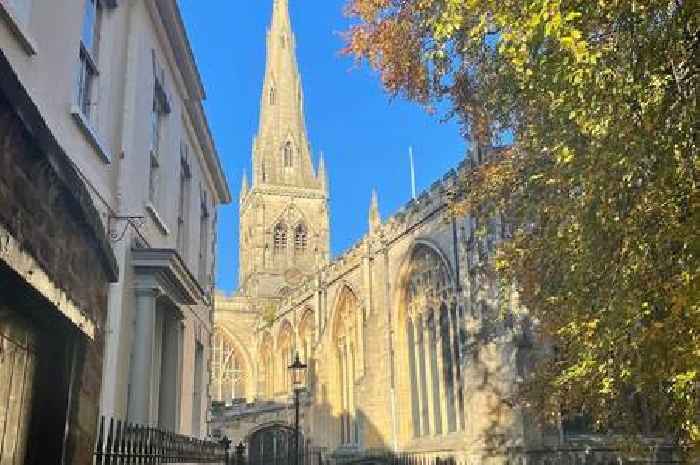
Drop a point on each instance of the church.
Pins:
(408, 348)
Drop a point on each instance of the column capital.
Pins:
(145, 291)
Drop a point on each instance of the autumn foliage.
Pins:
(600, 185)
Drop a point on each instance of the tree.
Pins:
(600, 183)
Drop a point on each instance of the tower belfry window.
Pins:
(300, 238)
(280, 237)
(273, 96)
(288, 155)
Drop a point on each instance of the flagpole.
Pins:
(413, 173)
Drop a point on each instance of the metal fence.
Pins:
(383, 457)
(121, 443)
(588, 456)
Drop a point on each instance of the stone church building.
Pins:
(384, 328)
(407, 348)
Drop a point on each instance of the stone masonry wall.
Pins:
(47, 216)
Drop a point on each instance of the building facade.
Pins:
(116, 84)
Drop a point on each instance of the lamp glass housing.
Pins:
(298, 370)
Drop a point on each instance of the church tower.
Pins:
(284, 230)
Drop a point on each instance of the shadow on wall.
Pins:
(496, 431)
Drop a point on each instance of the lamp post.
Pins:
(240, 451)
(297, 370)
(226, 443)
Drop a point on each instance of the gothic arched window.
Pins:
(266, 367)
(288, 154)
(273, 96)
(348, 340)
(285, 343)
(280, 237)
(433, 339)
(306, 338)
(300, 238)
(228, 370)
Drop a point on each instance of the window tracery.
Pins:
(266, 367)
(300, 238)
(433, 336)
(348, 342)
(228, 372)
(280, 238)
(285, 343)
(306, 339)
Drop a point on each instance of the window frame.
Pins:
(280, 238)
(153, 179)
(158, 113)
(88, 70)
(301, 238)
(204, 238)
(184, 197)
(160, 107)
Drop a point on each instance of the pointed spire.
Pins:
(280, 13)
(282, 145)
(244, 185)
(375, 217)
(321, 173)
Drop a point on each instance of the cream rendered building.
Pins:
(117, 84)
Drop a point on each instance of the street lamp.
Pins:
(240, 451)
(226, 444)
(297, 370)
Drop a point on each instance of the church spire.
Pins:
(284, 226)
(281, 151)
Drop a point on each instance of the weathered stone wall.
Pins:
(47, 211)
(47, 217)
(374, 272)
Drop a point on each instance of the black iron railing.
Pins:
(385, 458)
(593, 456)
(121, 443)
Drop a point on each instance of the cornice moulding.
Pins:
(164, 269)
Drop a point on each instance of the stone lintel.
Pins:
(27, 267)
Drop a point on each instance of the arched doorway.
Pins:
(274, 445)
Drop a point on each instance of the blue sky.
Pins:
(363, 134)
